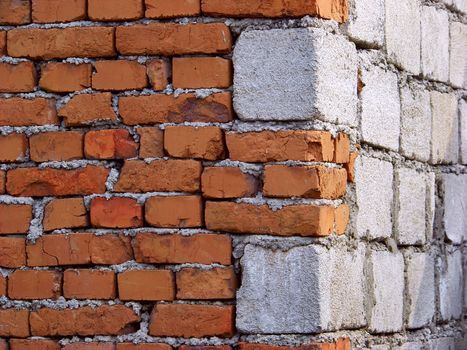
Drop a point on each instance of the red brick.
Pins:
(184, 320)
(84, 321)
(172, 8)
(342, 217)
(161, 108)
(61, 43)
(15, 218)
(65, 213)
(151, 142)
(115, 10)
(53, 11)
(119, 75)
(89, 346)
(14, 323)
(29, 284)
(193, 142)
(89, 284)
(342, 148)
(293, 220)
(111, 249)
(146, 285)
(201, 72)
(176, 249)
(206, 347)
(110, 144)
(3, 287)
(158, 72)
(15, 12)
(159, 176)
(13, 148)
(65, 77)
(217, 283)
(227, 182)
(3, 344)
(56, 182)
(267, 146)
(22, 112)
(12, 252)
(116, 213)
(148, 346)
(2, 181)
(19, 77)
(2, 42)
(350, 167)
(56, 146)
(168, 39)
(85, 109)
(178, 211)
(33, 344)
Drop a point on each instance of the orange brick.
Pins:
(22, 112)
(12, 252)
(15, 218)
(148, 346)
(65, 77)
(85, 109)
(159, 176)
(342, 148)
(172, 8)
(53, 11)
(13, 148)
(116, 213)
(115, 10)
(293, 220)
(56, 146)
(110, 249)
(2, 181)
(161, 108)
(110, 144)
(169, 39)
(15, 12)
(158, 72)
(227, 182)
(119, 75)
(89, 284)
(179, 211)
(146, 285)
(2, 42)
(29, 284)
(201, 72)
(14, 323)
(342, 217)
(350, 167)
(217, 283)
(33, 344)
(3, 286)
(206, 347)
(65, 213)
(89, 346)
(3, 344)
(151, 142)
(184, 320)
(57, 182)
(19, 77)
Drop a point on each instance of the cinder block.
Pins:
(374, 180)
(435, 43)
(402, 26)
(295, 74)
(463, 123)
(366, 22)
(444, 134)
(386, 283)
(441, 344)
(380, 108)
(450, 285)
(420, 289)
(431, 205)
(415, 122)
(409, 346)
(455, 207)
(458, 55)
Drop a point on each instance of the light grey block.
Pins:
(458, 55)
(441, 344)
(450, 285)
(409, 346)
(366, 22)
(463, 123)
(455, 207)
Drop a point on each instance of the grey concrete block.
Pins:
(295, 74)
(420, 289)
(435, 43)
(458, 55)
(463, 125)
(455, 207)
(441, 344)
(386, 283)
(380, 108)
(444, 134)
(431, 205)
(409, 346)
(374, 190)
(450, 285)
(366, 22)
(402, 27)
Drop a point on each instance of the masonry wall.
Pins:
(233, 174)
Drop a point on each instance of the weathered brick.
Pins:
(172, 8)
(193, 142)
(159, 175)
(65, 77)
(111, 249)
(15, 12)
(56, 182)
(227, 182)
(147, 346)
(61, 43)
(176, 249)
(110, 144)
(146, 285)
(116, 213)
(3, 287)
(302, 220)
(115, 10)
(184, 320)
(158, 72)
(342, 148)
(201, 72)
(33, 344)
(266, 146)
(65, 213)
(19, 77)
(119, 75)
(89, 284)
(341, 217)
(151, 142)
(89, 346)
(28, 284)
(350, 166)
(2, 181)
(161, 108)
(22, 112)
(2, 42)
(177, 211)
(53, 11)
(13, 148)
(56, 146)
(205, 347)
(12, 252)
(14, 323)
(168, 39)
(15, 218)
(85, 109)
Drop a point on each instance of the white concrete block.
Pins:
(458, 55)
(463, 123)
(431, 205)
(455, 207)
(450, 285)
(366, 22)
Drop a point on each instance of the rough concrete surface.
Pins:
(366, 22)
(458, 54)
(455, 207)
(450, 285)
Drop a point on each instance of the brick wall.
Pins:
(232, 174)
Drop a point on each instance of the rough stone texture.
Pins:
(455, 207)
(450, 285)
(374, 197)
(380, 108)
(272, 66)
(463, 134)
(441, 344)
(366, 22)
(457, 55)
